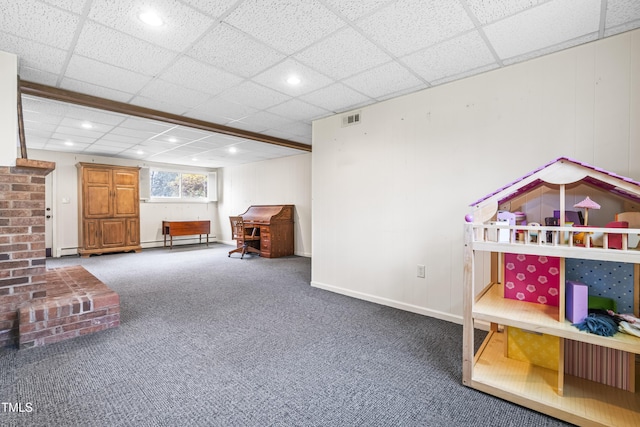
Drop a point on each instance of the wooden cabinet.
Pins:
(532, 354)
(109, 209)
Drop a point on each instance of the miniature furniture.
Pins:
(633, 218)
(275, 224)
(615, 240)
(246, 236)
(185, 228)
(532, 354)
(109, 209)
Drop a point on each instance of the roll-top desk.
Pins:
(275, 225)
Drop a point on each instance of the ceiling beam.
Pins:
(63, 95)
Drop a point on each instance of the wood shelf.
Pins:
(583, 402)
(492, 307)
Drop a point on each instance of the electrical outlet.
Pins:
(421, 271)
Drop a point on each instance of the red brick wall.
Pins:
(22, 245)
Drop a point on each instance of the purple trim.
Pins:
(588, 180)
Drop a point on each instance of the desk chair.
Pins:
(239, 233)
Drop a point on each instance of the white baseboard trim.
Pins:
(65, 252)
(390, 303)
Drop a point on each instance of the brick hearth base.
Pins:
(76, 303)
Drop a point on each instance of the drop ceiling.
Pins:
(227, 62)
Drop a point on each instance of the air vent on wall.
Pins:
(351, 119)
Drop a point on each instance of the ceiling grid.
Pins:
(227, 62)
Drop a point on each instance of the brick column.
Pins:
(22, 245)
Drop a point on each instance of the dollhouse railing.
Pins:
(495, 236)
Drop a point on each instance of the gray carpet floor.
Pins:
(207, 340)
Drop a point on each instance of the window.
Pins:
(165, 184)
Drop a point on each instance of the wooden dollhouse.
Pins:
(533, 266)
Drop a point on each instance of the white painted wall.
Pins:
(65, 204)
(392, 192)
(272, 182)
(8, 109)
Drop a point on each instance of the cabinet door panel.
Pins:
(90, 234)
(133, 232)
(126, 201)
(127, 178)
(113, 232)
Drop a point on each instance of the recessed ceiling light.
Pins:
(140, 152)
(68, 143)
(87, 125)
(293, 80)
(233, 149)
(172, 139)
(194, 159)
(151, 18)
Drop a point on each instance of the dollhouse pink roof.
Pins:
(595, 177)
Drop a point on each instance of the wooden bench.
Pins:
(185, 228)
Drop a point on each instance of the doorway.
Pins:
(49, 212)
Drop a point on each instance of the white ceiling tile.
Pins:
(181, 26)
(283, 25)
(151, 126)
(106, 75)
(35, 125)
(33, 54)
(546, 25)
(234, 51)
(296, 109)
(298, 128)
(64, 135)
(621, 28)
(254, 95)
(465, 74)
(73, 126)
(45, 24)
(36, 142)
(344, 53)
(622, 11)
(415, 24)
(622, 15)
(385, 80)
(266, 120)
(38, 76)
(451, 57)
(105, 149)
(487, 11)
(336, 98)
(547, 50)
(94, 90)
(35, 105)
(95, 116)
(119, 141)
(211, 142)
(124, 51)
(75, 6)
(184, 134)
(354, 9)
(220, 107)
(196, 75)
(248, 126)
(166, 92)
(155, 104)
(128, 135)
(276, 78)
(214, 8)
